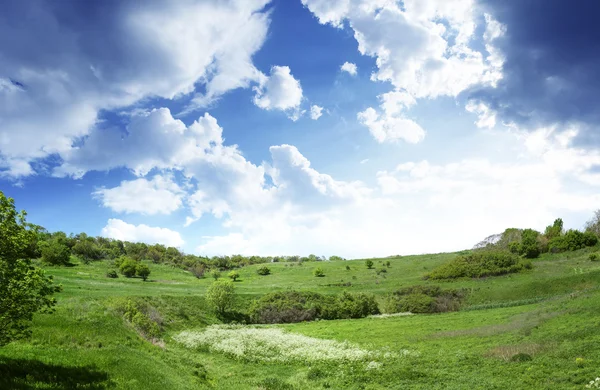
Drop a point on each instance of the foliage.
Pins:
(593, 257)
(198, 270)
(233, 275)
(297, 306)
(54, 252)
(554, 230)
(215, 274)
(143, 271)
(112, 274)
(423, 299)
(480, 264)
(572, 240)
(318, 272)
(529, 244)
(128, 266)
(24, 289)
(593, 225)
(347, 268)
(521, 357)
(369, 263)
(220, 295)
(263, 271)
(87, 250)
(137, 316)
(388, 263)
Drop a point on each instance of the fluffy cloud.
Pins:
(422, 47)
(279, 91)
(51, 93)
(161, 195)
(120, 230)
(315, 112)
(391, 125)
(349, 68)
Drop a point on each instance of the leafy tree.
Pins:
(87, 250)
(234, 275)
(318, 272)
(215, 274)
(24, 289)
(554, 230)
(263, 271)
(369, 264)
(143, 271)
(529, 244)
(220, 295)
(128, 267)
(54, 252)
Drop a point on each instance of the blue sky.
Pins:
(348, 127)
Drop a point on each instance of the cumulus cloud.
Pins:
(83, 58)
(315, 112)
(160, 195)
(551, 65)
(279, 91)
(350, 68)
(120, 230)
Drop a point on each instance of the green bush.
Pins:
(521, 357)
(220, 295)
(593, 257)
(87, 250)
(423, 299)
(299, 306)
(388, 263)
(215, 274)
(571, 241)
(264, 270)
(369, 264)
(233, 275)
(480, 264)
(347, 268)
(127, 266)
(143, 271)
(54, 252)
(318, 272)
(112, 274)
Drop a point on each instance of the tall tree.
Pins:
(24, 289)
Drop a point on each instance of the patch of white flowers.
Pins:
(595, 384)
(275, 345)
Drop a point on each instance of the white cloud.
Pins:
(120, 230)
(366, 160)
(161, 195)
(51, 95)
(279, 91)
(350, 68)
(391, 124)
(315, 112)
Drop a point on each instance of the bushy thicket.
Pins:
(298, 306)
(423, 299)
(479, 264)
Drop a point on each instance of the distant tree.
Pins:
(233, 275)
(128, 267)
(318, 272)
(336, 258)
(143, 271)
(54, 252)
(593, 225)
(529, 244)
(220, 295)
(369, 264)
(24, 288)
(388, 263)
(554, 230)
(88, 250)
(215, 274)
(264, 270)
(347, 268)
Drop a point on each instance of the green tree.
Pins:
(215, 274)
(220, 296)
(529, 244)
(264, 270)
(143, 271)
(369, 264)
(128, 267)
(318, 272)
(234, 275)
(24, 289)
(87, 250)
(554, 230)
(54, 252)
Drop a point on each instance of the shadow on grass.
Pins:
(234, 317)
(22, 374)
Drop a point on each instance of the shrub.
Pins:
(347, 268)
(298, 306)
(521, 357)
(54, 252)
(198, 270)
(480, 264)
(128, 267)
(529, 244)
(220, 295)
(388, 263)
(423, 299)
(264, 270)
(571, 241)
(143, 271)
(215, 274)
(87, 250)
(318, 272)
(234, 275)
(112, 274)
(369, 264)
(381, 271)
(593, 257)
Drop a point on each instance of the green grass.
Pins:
(551, 312)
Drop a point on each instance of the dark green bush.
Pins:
(298, 306)
(521, 357)
(143, 271)
(424, 299)
(369, 264)
(112, 274)
(87, 250)
(318, 272)
(571, 241)
(480, 264)
(264, 270)
(128, 267)
(593, 257)
(54, 252)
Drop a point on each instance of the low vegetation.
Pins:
(424, 299)
(480, 264)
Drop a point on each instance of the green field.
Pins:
(551, 313)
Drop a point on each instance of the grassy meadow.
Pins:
(536, 329)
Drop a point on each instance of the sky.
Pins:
(335, 127)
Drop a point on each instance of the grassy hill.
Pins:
(547, 319)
